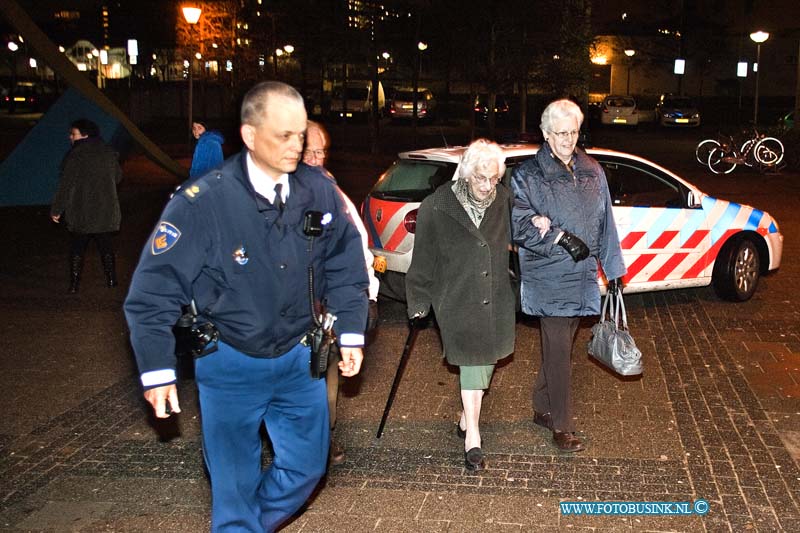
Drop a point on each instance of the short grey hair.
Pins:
(479, 155)
(557, 110)
(254, 104)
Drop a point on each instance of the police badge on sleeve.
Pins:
(165, 237)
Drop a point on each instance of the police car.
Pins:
(672, 234)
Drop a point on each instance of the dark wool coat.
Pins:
(462, 271)
(579, 202)
(87, 189)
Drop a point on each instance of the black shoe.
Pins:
(460, 433)
(473, 460)
(543, 419)
(566, 441)
(336, 454)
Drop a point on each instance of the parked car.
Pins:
(30, 96)
(674, 110)
(619, 110)
(356, 101)
(673, 235)
(481, 107)
(402, 104)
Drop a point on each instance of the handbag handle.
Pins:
(606, 311)
(620, 306)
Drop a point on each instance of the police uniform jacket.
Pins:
(575, 200)
(462, 272)
(246, 266)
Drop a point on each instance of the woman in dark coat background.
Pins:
(460, 268)
(87, 199)
(564, 227)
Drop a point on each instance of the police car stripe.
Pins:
(668, 267)
(665, 219)
(724, 222)
(372, 231)
(691, 226)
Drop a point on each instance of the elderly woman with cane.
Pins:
(460, 269)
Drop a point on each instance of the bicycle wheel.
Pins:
(721, 162)
(769, 151)
(704, 150)
(748, 152)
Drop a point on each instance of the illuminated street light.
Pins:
(13, 46)
(630, 53)
(279, 52)
(192, 16)
(757, 37)
(289, 48)
(422, 46)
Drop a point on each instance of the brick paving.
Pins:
(715, 416)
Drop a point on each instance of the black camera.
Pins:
(312, 224)
(193, 339)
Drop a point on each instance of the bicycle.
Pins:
(758, 151)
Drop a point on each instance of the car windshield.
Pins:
(353, 93)
(412, 180)
(678, 102)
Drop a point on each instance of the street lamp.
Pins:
(630, 53)
(192, 15)
(757, 37)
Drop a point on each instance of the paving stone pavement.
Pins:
(714, 417)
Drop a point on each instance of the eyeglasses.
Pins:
(564, 135)
(319, 154)
(482, 179)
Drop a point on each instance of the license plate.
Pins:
(620, 121)
(379, 264)
(19, 98)
(682, 120)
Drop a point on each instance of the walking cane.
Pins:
(412, 335)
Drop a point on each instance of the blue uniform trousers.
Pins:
(238, 393)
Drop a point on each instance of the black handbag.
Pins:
(612, 343)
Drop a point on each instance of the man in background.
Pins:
(316, 152)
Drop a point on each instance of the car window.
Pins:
(678, 102)
(634, 186)
(412, 180)
(620, 102)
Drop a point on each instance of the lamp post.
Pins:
(192, 15)
(421, 47)
(630, 53)
(757, 37)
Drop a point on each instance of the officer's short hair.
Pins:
(86, 127)
(254, 104)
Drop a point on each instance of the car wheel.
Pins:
(737, 270)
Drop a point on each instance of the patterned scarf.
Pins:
(475, 208)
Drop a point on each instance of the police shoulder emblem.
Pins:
(165, 237)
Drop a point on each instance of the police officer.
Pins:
(234, 242)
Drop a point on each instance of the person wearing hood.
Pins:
(208, 151)
(86, 199)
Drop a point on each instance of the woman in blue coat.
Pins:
(208, 151)
(564, 227)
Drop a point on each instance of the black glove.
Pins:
(372, 315)
(572, 244)
(614, 286)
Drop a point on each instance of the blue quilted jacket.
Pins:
(579, 202)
